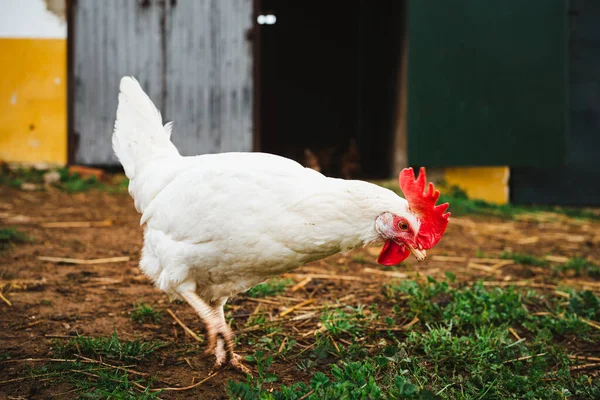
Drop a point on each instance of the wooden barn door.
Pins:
(109, 39)
(192, 57)
(487, 82)
(209, 75)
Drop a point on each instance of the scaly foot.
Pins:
(220, 344)
(236, 361)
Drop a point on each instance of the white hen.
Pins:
(219, 224)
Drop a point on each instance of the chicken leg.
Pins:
(220, 335)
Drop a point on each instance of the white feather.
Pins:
(139, 132)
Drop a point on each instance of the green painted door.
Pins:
(487, 82)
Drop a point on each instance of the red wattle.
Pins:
(392, 253)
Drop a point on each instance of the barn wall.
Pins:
(33, 96)
(109, 39)
(576, 182)
(192, 58)
(486, 183)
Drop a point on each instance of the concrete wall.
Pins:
(33, 87)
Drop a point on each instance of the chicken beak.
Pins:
(420, 255)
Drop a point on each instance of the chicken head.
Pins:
(420, 228)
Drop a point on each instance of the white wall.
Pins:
(31, 19)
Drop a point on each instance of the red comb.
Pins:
(434, 219)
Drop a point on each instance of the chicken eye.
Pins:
(403, 226)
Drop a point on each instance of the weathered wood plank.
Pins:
(112, 38)
(191, 57)
(209, 75)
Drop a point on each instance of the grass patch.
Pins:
(348, 321)
(71, 183)
(526, 259)
(109, 347)
(359, 259)
(462, 347)
(272, 287)
(476, 306)
(579, 267)
(143, 313)
(16, 177)
(95, 380)
(90, 381)
(10, 236)
(368, 379)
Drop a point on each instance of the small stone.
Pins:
(29, 187)
(42, 166)
(13, 167)
(51, 177)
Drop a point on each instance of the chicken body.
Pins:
(228, 222)
(217, 225)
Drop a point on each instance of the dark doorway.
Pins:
(328, 82)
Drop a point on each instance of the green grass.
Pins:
(71, 183)
(109, 347)
(368, 379)
(90, 381)
(93, 380)
(143, 313)
(10, 236)
(17, 177)
(349, 321)
(460, 348)
(358, 259)
(269, 337)
(579, 267)
(526, 259)
(272, 287)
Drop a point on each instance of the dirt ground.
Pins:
(58, 300)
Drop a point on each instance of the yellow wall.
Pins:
(33, 100)
(485, 183)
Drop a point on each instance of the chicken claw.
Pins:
(221, 346)
(219, 333)
(236, 362)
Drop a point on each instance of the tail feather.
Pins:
(139, 132)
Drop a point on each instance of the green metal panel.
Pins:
(487, 82)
